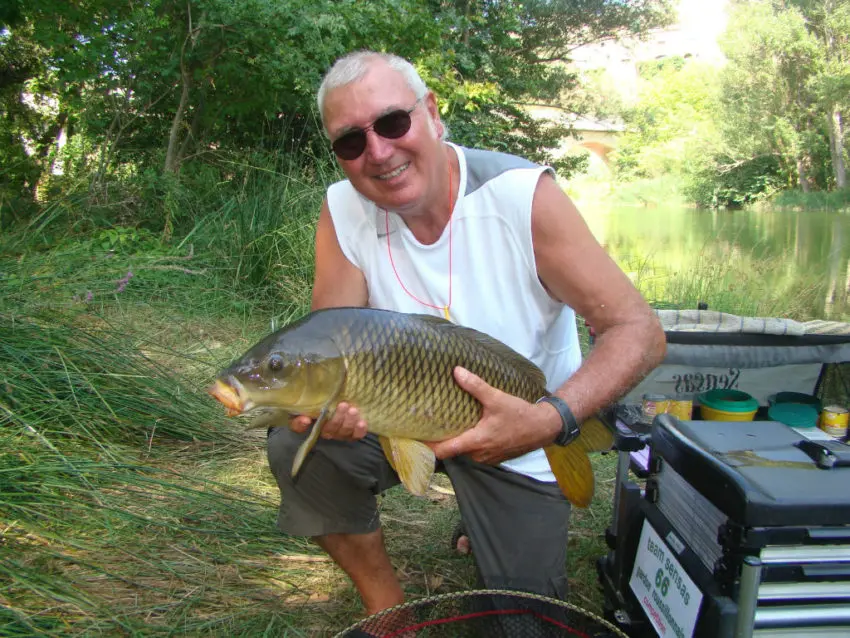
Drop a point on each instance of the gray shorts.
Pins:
(517, 525)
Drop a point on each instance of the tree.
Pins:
(154, 87)
(507, 56)
(829, 22)
(785, 91)
(767, 104)
(673, 115)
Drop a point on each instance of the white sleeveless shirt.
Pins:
(495, 287)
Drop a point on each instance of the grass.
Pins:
(735, 283)
(111, 526)
(129, 504)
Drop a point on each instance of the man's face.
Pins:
(394, 173)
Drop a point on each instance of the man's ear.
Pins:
(430, 101)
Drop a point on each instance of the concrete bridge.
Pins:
(599, 137)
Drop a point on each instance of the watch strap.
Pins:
(569, 426)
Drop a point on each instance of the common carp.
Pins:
(397, 369)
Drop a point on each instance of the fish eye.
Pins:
(275, 363)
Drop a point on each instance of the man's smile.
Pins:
(395, 172)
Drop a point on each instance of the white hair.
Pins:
(354, 66)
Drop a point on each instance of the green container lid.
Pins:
(795, 397)
(795, 415)
(728, 400)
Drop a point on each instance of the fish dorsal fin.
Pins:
(413, 462)
(493, 345)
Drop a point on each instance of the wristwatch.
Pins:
(569, 426)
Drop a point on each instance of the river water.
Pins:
(783, 263)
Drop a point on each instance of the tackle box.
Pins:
(746, 531)
(743, 529)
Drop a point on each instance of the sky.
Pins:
(703, 21)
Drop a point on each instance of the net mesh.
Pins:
(491, 613)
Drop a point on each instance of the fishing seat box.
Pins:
(759, 526)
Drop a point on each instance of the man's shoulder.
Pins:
(484, 166)
(343, 186)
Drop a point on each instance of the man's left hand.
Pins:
(509, 426)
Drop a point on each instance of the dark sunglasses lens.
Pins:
(350, 145)
(393, 125)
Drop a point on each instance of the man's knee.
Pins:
(335, 490)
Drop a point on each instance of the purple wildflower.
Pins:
(122, 283)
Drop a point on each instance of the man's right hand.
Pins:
(345, 424)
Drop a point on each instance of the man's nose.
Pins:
(378, 149)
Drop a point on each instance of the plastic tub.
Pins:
(727, 405)
(795, 397)
(795, 415)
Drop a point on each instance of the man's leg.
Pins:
(333, 501)
(364, 558)
(517, 527)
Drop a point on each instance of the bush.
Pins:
(724, 183)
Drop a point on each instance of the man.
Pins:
(492, 242)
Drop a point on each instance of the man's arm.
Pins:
(576, 270)
(336, 282)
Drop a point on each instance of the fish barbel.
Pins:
(397, 369)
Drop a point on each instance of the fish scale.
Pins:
(417, 373)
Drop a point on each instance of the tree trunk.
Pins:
(802, 175)
(836, 147)
(171, 159)
(193, 135)
(57, 164)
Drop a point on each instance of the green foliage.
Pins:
(779, 98)
(771, 119)
(665, 191)
(672, 117)
(734, 283)
(123, 89)
(505, 56)
(729, 184)
(245, 246)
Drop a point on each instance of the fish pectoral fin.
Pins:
(412, 460)
(595, 436)
(309, 442)
(571, 467)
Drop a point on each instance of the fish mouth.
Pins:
(231, 394)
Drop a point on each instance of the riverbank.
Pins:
(796, 200)
(598, 187)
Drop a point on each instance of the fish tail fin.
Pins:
(571, 467)
(595, 436)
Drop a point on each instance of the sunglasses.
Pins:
(391, 126)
